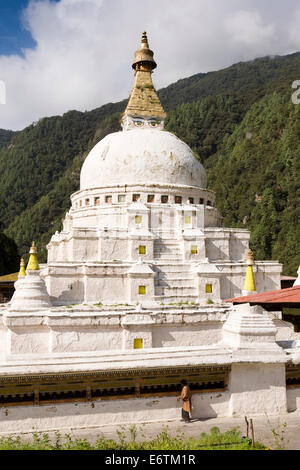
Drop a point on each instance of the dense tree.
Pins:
(9, 256)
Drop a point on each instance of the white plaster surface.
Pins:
(257, 389)
(148, 156)
(100, 413)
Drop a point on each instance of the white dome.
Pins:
(141, 157)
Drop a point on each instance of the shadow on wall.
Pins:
(73, 295)
(230, 289)
(210, 405)
(187, 335)
(293, 399)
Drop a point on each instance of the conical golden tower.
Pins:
(143, 101)
(22, 271)
(33, 264)
(249, 286)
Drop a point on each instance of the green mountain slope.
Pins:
(256, 177)
(9, 256)
(5, 137)
(212, 113)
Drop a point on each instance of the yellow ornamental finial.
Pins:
(22, 271)
(143, 58)
(250, 260)
(249, 285)
(143, 101)
(33, 264)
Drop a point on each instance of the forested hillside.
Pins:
(9, 256)
(5, 137)
(240, 121)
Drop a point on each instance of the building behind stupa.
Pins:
(131, 300)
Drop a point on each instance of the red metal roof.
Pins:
(282, 297)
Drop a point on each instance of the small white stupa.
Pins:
(31, 294)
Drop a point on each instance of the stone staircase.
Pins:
(167, 250)
(174, 282)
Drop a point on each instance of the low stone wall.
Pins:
(293, 399)
(66, 416)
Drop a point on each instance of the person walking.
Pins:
(186, 396)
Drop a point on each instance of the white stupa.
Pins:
(143, 194)
(131, 299)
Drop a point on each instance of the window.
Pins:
(135, 197)
(142, 250)
(87, 202)
(164, 199)
(209, 203)
(150, 198)
(138, 219)
(208, 288)
(191, 200)
(97, 201)
(202, 201)
(108, 199)
(138, 343)
(187, 219)
(178, 200)
(80, 203)
(194, 250)
(142, 290)
(121, 198)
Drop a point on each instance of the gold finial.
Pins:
(143, 58)
(249, 285)
(250, 260)
(33, 264)
(22, 271)
(144, 101)
(144, 42)
(33, 248)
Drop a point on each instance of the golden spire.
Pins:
(250, 260)
(33, 264)
(22, 271)
(143, 58)
(143, 101)
(249, 285)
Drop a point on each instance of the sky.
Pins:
(58, 55)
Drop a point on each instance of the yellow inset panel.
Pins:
(208, 288)
(142, 290)
(142, 250)
(187, 219)
(138, 219)
(194, 250)
(138, 343)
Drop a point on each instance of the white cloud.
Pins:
(294, 34)
(246, 28)
(84, 48)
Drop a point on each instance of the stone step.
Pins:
(161, 276)
(166, 241)
(163, 267)
(174, 283)
(166, 250)
(179, 290)
(169, 257)
(175, 299)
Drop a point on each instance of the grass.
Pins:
(127, 440)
